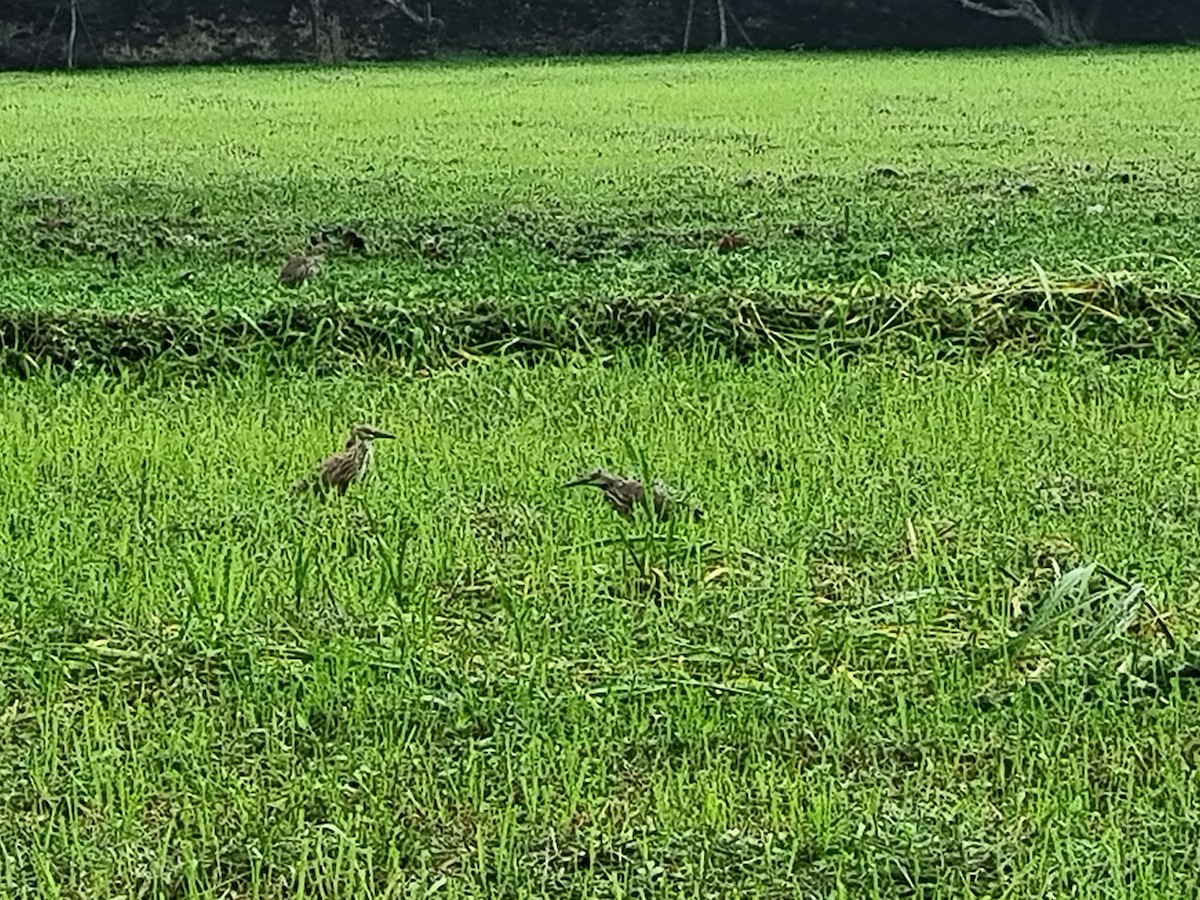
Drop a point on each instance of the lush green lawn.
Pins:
(462, 676)
(544, 181)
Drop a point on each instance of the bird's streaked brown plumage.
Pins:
(340, 470)
(298, 269)
(626, 494)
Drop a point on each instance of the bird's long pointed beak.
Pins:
(578, 481)
(375, 433)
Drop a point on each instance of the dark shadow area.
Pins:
(44, 34)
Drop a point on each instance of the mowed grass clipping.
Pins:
(462, 678)
(545, 182)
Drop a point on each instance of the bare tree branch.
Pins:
(1058, 21)
(1000, 12)
(410, 13)
(1014, 9)
(737, 24)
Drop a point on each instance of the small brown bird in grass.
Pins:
(298, 269)
(625, 494)
(347, 466)
(730, 242)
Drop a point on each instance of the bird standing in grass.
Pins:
(346, 466)
(624, 494)
(298, 269)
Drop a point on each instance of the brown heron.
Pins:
(624, 494)
(346, 466)
(299, 268)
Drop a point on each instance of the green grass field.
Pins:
(936, 634)
(531, 182)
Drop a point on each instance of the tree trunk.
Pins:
(687, 26)
(1066, 26)
(337, 40)
(74, 32)
(329, 43)
(724, 24)
(316, 10)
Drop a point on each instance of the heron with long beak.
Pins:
(625, 494)
(339, 471)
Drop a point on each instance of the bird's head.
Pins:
(361, 433)
(597, 477)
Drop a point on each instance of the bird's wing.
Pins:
(623, 494)
(340, 469)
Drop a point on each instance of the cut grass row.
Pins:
(1116, 316)
(462, 678)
